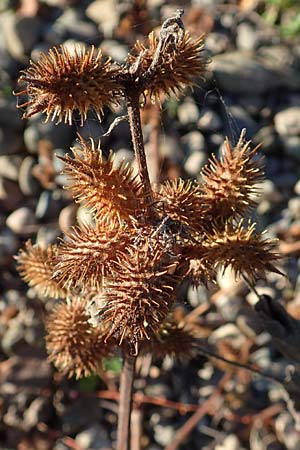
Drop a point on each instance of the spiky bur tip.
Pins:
(182, 202)
(64, 82)
(35, 265)
(74, 346)
(173, 339)
(86, 254)
(229, 185)
(179, 65)
(242, 249)
(112, 193)
(139, 294)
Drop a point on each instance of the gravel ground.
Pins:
(253, 83)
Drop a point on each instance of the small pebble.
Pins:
(21, 220)
(195, 163)
(188, 112)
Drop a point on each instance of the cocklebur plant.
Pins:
(117, 279)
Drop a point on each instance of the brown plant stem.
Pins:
(125, 402)
(133, 107)
(154, 157)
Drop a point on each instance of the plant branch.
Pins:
(133, 107)
(252, 369)
(183, 432)
(125, 402)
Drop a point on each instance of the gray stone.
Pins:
(123, 155)
(164, 434)
(48, 205)
(169, 148)
(287, 121)
(253, 104)
(67, 218)
(71, 25)
(286, 431)
(21, 221)
(269, 139)
(105, 14)
(8, 245)
(294, 207)
(93, 438)
(39, 410)
(291, 146)
(193, 141)
(217, 42)
(230, 442)
(47, 235)
(20, 33)
(209, 121)
(297, 188)
(281, 60)
(195, 163)
(13, 340)
(31, 138)
(60, 135)
(28, 184)
(9, 166)
(238, 72)
(117, 51)
(246, 38)
(188, 112)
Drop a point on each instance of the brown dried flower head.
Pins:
(139, 295)
(110, 192)
(179, 64)
(242, 249)
(36, 266)
(85, 256)
(74, 346)
(229, 185)
(173, 339)
(64, 82)
(182, 201)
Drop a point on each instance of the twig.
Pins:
(136, 429)
(239, 365)
(192, 422)
(140, 398)
(133, 107)
(114, 124)
(125, 402)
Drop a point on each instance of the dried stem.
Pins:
(154, 157)
(125, 402)
(133, 107)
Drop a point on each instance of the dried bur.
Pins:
(118, 278)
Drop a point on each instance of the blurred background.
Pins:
(253, 82)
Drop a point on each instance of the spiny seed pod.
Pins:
(178, 65)
(240, 248)
(172, 339)
(229, 185)
(139, 295)
(86, 254)
(64, 82)
(182, 202)
(36, 265)
(111, 192)
(74, 346)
